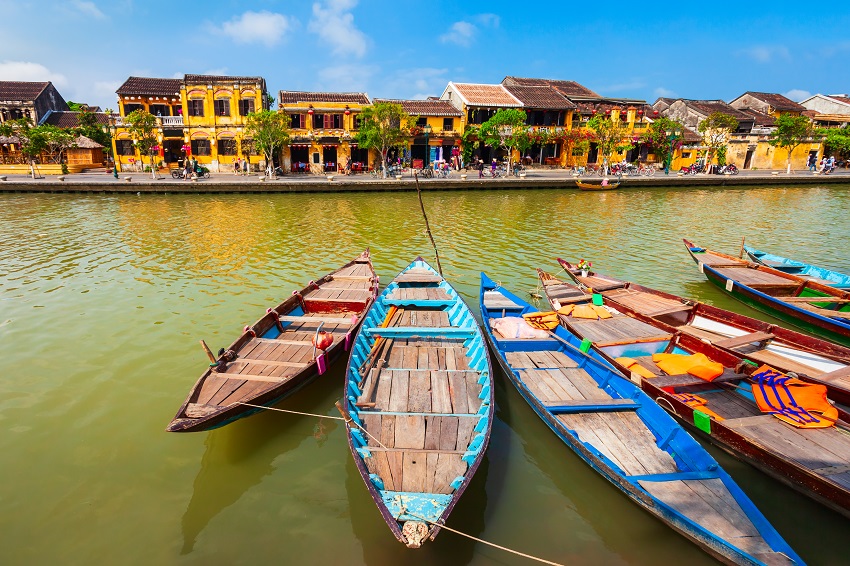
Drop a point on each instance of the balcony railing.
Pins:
(171, 120)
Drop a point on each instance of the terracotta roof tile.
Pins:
(486, 95)
(430, 107)
(843, 99)
(150, 87)
(71, 119)
(20, 90)
(567, 88)
(707, 107)
(777, 101)
(759, 118)
(203, 79)
(294, 97)
(540, 97)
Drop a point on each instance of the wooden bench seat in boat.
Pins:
(582, 406)
(616, 330)
(646, 304)
(758, 279)
(599, 284)
(716, 261)
(326, 319)
(497, 301)
(761, 337)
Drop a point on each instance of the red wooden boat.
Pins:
(276, 355)
(815, 461)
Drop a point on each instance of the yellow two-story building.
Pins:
(199, 116)
(323, 127)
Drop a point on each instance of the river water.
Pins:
(103, 300)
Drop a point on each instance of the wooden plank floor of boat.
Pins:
(647, 304)
(432, 394)
(627, 442)
(265, 363)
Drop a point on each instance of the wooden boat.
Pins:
(812, 306)
(813, 359)
(800, 269)
(419, 398)
(629, 440)
(814, 461)
(275, 356)
(585, 186)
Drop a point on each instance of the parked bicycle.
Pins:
(200, 171)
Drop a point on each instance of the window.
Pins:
(358, 120)
(124, 147)
(448, 124)
(246, 106)
(297, 121)
(227, 146)
(196, 107)
(159, 110)
(128, 108)
(200, 147)
(221, 107)
(421, 121)
(318, 121)
(332, 121)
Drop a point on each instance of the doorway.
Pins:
(172, 150)
(748, 158)
(329, 157)
(593, 153)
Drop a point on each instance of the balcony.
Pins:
(171, 120)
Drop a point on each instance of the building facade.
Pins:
(31, 100)
(323, 127)
(200, 116)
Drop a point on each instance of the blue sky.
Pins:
(412, 49)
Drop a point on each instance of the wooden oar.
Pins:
(393, 316)
(210, 355)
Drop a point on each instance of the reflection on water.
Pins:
(103, 300)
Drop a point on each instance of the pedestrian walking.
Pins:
(237, 165)
(245, 166)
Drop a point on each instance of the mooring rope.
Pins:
(488, 543)
(347, 420)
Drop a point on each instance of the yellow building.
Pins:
(200, 115)
(436, 134)
(323, 125)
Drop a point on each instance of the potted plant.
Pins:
(584, 266)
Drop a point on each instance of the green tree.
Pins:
(88, 126)
(32, 140)
(142, 125)
(56, 141)
(270, 132)
(715, 130)
(791, 131)
(382, 126)
(500, 130)
(836, 140)
(469, 142)
(663, 137)
(610, 136)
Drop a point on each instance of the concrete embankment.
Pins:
(87, 183)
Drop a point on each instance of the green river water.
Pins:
(103, 300)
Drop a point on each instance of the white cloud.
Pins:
(263, 27)
(766, 53)
(334, 23)
(460, 33)
(797, 94)
(88, 9)
(664, 92)
(27, 71)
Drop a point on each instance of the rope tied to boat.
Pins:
(347, 419)
(482, 541)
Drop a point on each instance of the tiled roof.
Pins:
(20, 90)
(843, 99)
(430, 107)
(567, 88)
(759, 118)
(150, 87)
(204, 79)
(294, 97)
(540, 97)
(486, 95)
(691, 136)
(71, 119)
(777, 101)
(707, 107)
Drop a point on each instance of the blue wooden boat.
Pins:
(628, 439)
(812, 306)
(800, 269)
(419, 399)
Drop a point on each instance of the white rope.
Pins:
(347, 420)
(493, 544)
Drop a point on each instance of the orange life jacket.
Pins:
(791, 400)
